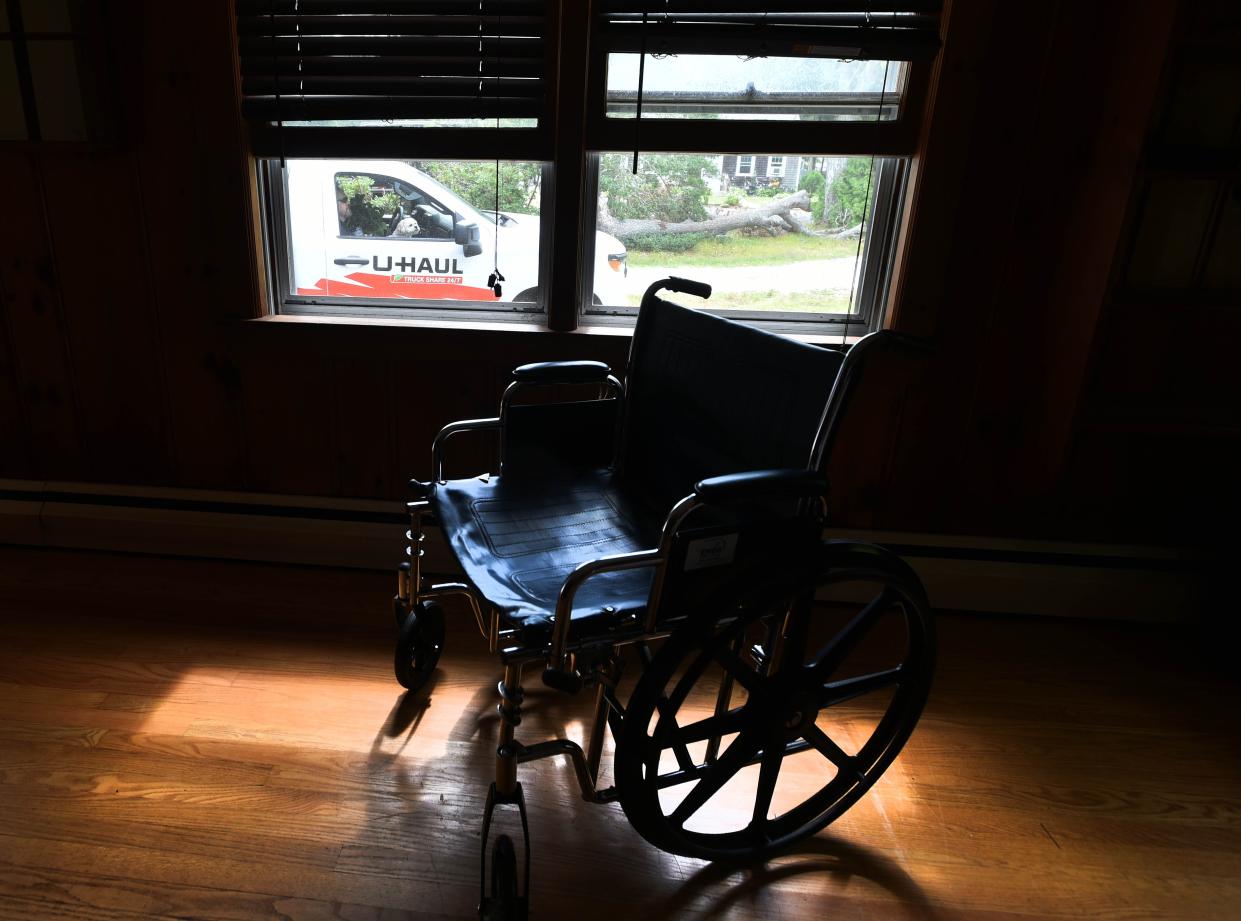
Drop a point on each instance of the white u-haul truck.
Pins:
(383, 229)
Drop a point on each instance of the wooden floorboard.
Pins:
(212, 740)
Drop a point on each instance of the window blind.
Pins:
(327, 66)
(905, 30)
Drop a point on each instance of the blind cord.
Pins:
(496, 276)
(637, 121)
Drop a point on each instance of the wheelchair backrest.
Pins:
(707, 396)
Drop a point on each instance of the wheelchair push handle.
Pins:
(681, 285)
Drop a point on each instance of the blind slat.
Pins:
(770, 20)
(906, 30)
(268, 140)
(354, 66)
(387, 7)
(256, 49)
(381, 26)
(333, 108)
(835, 42)
(390, 87)
(809, 8)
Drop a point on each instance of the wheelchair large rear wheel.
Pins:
(821, 696)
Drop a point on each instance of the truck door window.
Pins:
(369, 205)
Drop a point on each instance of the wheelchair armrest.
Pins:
(562, 372)
(437, 446)
(761, 484)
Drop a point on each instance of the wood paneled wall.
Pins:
(128, 276)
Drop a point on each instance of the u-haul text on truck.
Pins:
(383, 229)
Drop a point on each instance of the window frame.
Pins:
(877, 262)
(577, 128)
(283, 301)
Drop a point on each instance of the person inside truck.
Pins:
(343, 213)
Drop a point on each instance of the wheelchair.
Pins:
(675, 520)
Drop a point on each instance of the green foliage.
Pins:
(667, 187)
(665, 242)
(369, 212)
(846, 197)
(731, 200)
(475, 181)
(770, 192)
(814, 182)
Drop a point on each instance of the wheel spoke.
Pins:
(720, 725)
(742, 673)
(837, 692)
(733, 760)
(847, 639)
(833, 752)
(768, 774)
(677, 744)
(689, 680)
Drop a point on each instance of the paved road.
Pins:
(812, 275)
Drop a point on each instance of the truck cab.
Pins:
(382, 229)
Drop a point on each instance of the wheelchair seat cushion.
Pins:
(517, 538)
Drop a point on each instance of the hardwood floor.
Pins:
(195, 739)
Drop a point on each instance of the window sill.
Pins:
(452, 336)
(516, 327)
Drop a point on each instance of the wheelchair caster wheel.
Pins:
(419, 644)
(503, 904)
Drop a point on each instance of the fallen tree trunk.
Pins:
(747, 217)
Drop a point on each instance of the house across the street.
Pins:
(760, 171)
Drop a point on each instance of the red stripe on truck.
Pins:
(425, 287)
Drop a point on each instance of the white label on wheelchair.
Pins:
(710, 551)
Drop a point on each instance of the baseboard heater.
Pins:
(963, 573)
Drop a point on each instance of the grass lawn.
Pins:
(818, 301)
(735, 249)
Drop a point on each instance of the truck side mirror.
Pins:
(466, 235)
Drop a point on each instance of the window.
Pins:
(819, 253)
(48, 79)
(377, 132)
(364, 234)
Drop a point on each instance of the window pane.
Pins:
(12, 115)
(58, 95)
(47, 16)
(1223, 270)
(790, 241)
(423, 230)
(718, 86)
(1174, 219)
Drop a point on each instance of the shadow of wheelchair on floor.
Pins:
(822, 868)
